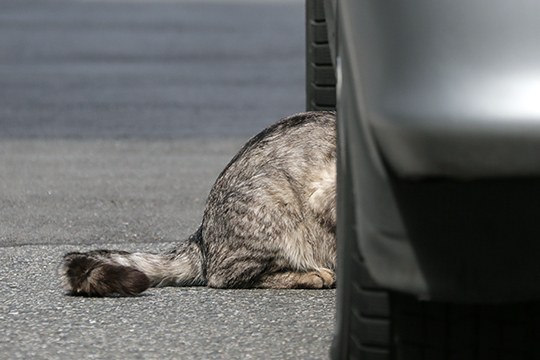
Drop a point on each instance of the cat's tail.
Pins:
(112, 272)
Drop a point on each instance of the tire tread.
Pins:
(320, 75)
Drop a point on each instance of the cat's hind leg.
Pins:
(317, 279)
(254, 277)
(238, 270)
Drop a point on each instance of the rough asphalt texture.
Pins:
(115, 119)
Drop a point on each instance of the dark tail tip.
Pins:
(88, 276)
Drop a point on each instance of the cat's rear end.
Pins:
(269, 222)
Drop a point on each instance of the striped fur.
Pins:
(269, 222)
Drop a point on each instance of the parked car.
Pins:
(438, 106)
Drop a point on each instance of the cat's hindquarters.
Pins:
(112, 272)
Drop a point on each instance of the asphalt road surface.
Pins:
(115, 119)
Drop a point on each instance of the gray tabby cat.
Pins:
(269, 222)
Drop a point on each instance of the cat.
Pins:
(269, 222)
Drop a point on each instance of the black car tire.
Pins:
(320, 76)
(384, 325)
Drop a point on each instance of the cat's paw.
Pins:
(322, 278)
(328, 278)
(319, 279)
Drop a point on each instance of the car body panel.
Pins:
(441, 166)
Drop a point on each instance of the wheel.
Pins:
(320, 76)
(375, 324)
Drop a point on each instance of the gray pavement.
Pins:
(115, 119)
